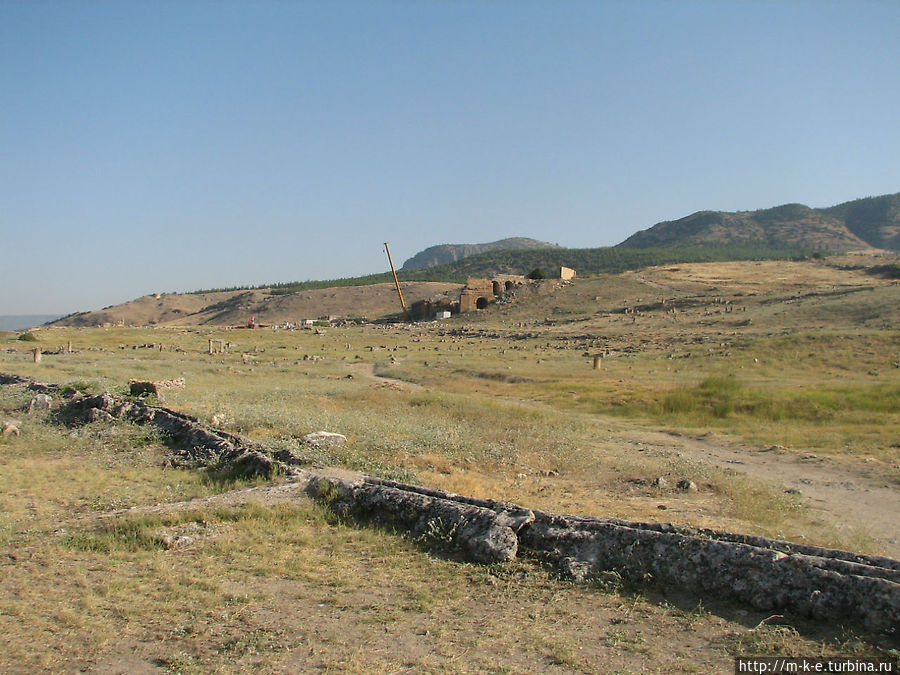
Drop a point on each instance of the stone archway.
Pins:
(481, 303)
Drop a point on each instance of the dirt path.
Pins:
(845, 494)
(367, 371)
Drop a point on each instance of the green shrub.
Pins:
(28, 337)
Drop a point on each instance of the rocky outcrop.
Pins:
(6, 378)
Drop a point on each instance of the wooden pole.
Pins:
(397, 282)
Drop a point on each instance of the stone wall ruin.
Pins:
(480, 292)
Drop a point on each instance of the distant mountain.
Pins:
(873, 222)
(449, 253)
(23, 321)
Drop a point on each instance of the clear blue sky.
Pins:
(168, 146)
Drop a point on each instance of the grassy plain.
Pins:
(734, 375)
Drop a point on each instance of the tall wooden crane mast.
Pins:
(397, 282)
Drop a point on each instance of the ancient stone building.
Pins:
(479, 293)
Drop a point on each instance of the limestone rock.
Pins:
(324, 439)
(145, 387)
(97, 415)
(40, 402)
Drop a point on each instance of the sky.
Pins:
(161, 146)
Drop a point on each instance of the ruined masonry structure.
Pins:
(479, 293)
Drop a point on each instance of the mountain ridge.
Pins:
(870, 222)
(442, 254)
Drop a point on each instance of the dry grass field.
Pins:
(773, 386)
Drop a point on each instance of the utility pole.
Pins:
(397, 282)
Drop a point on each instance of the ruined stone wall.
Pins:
(825, 584)
(480, 292)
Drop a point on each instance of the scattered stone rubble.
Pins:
(144, 387)
(768, 574)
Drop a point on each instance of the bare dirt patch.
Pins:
(858, 502)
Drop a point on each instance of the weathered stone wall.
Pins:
(822, 583)
(476, 289)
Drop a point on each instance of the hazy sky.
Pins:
(170, 146)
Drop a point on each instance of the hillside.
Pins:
(874, 219)
(374, 297)
(588, 261)
(449, 253)
(873, 222)
(234, 308)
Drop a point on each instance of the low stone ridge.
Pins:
(191, 441)
(826, 584)
(483, 532)
(768, 574)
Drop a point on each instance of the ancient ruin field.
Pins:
(772, 387)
